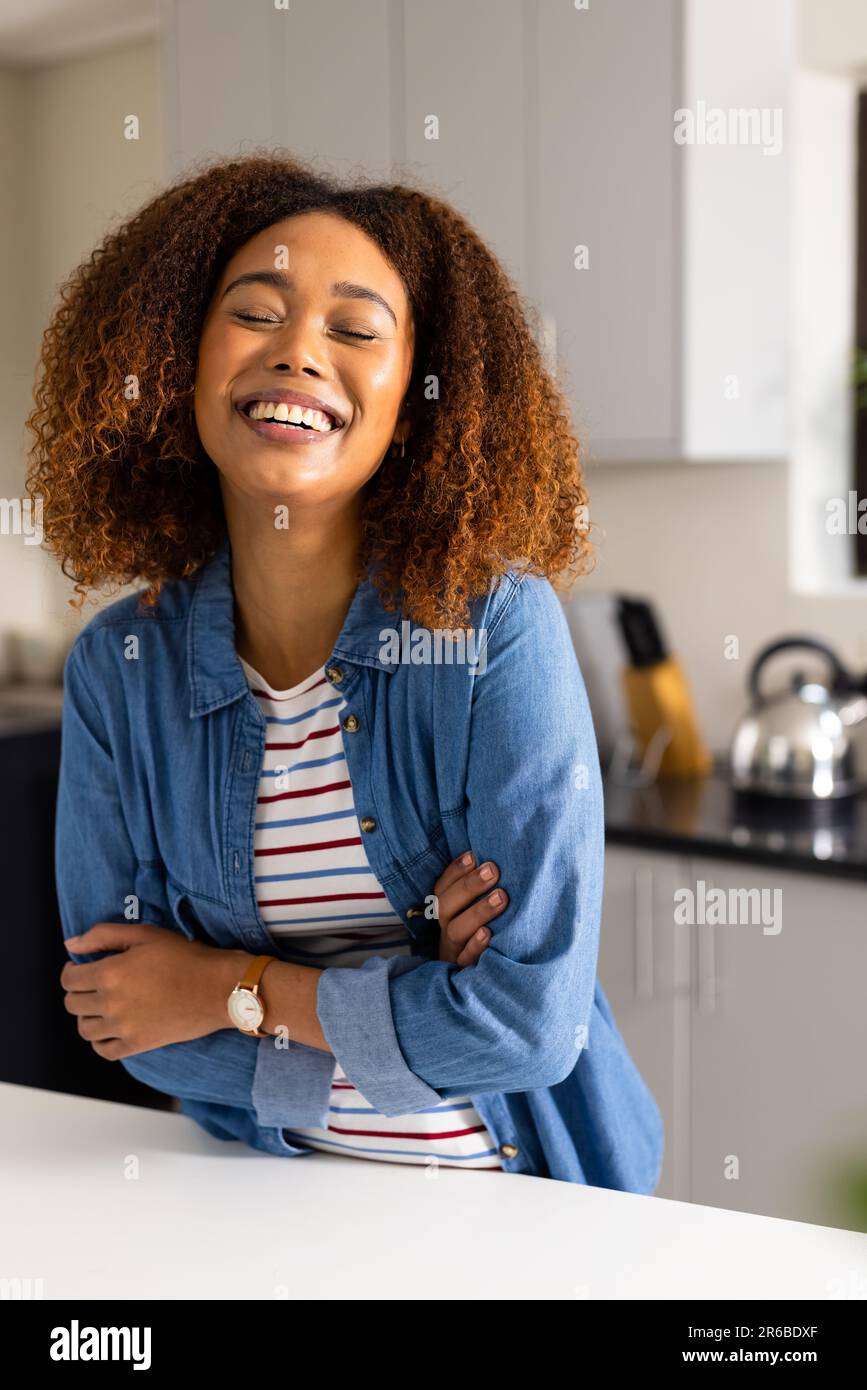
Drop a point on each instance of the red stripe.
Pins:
(307, 791)
(325, 898)
(316, 733)
(302, 849)
(407, 1134)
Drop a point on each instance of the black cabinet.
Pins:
(39, 1040)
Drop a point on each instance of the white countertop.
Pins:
(211, 1220)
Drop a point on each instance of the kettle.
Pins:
(804, 741)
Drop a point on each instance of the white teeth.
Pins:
(290, 415)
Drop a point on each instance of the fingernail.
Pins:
(495, 897)
(480, 935)
(486, 871)
(468, 857)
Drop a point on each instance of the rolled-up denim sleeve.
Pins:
(288, 1087)
(291, 1083)
(354, 1008)
(96, 871)
(531, 792)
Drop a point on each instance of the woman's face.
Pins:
(283, 319)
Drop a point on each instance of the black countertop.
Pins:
(705, 815)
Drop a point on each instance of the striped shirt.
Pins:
(314, 884)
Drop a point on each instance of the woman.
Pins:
(313, 420)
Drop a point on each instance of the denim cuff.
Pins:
(291, 1084)
(354, 1009)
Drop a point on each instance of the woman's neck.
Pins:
(292, 592)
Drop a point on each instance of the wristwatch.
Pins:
(245, 1006)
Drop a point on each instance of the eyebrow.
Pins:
(341, 289)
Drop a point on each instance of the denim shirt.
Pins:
(488, 747)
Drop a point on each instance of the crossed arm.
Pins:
(408, 1032)
(158, 988)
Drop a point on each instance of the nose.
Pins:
(298, 346)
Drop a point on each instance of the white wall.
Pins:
(833, 34)
(22, 586)
(68, 173)
(708, 544)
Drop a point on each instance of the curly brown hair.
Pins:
(492, 476)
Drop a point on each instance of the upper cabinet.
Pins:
(661, 222)
(626, 159)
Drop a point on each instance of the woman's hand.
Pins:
(463, 931)
(159, 988)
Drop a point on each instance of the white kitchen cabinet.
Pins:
(605, 181)
(644, 970)
(778, 1042)
(663, 265)
(552, 128)
(753, 1041)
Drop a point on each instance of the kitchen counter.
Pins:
(704, 815)
(102, 1200)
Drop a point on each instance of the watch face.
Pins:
(245, 1010)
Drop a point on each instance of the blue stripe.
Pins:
(304, 820)
(297, 767)
(296, 718)
(410, 1153)
(309, 873)
(363, 1110)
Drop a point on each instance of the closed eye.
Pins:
(259, 318)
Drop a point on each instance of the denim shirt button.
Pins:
(509, 1150)
(351, 722)
(367, 823)
(334, 674)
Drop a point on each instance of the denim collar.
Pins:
(216, 675)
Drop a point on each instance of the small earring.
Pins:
(402, 448)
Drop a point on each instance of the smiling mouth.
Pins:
(290, 417)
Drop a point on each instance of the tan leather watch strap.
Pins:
(250, 982)
(255, 972)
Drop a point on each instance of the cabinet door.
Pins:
(778, 1046)
(645, 975)
(602, 176)
(738, 59)
(671, 328)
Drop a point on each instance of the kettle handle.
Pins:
(842, 678)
